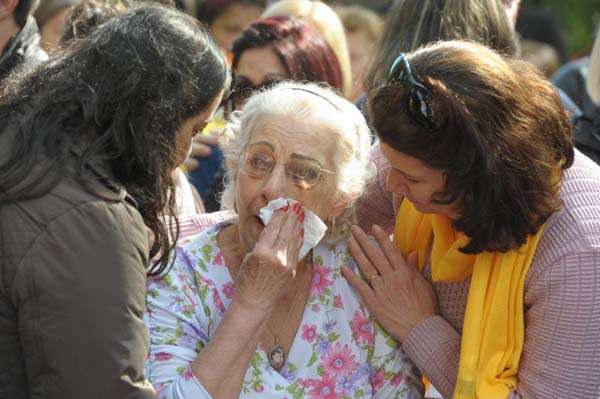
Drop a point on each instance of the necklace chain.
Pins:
(277, 349)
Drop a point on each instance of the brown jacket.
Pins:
(72, 287)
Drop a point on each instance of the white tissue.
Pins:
(314, 228)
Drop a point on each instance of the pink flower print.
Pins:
(339, 361)
(398, 378)
(309, 333)
(162, 356)
(258, 388)
(323, 388)
(362, 329)
(217, 299)
(377, 380)
(337, 301)
(188, 374)
(228, 290)
(218, 260)
(320, 280)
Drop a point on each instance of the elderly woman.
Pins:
(268, 50)
(241, 313)
(500, 215)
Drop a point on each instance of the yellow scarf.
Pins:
(493, 327)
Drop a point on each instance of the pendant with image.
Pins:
(276, 357)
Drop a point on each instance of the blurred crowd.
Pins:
(354, 33)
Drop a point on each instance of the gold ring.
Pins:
(373, 277)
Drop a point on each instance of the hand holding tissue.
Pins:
(314, 228)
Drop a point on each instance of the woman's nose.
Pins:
(395, 183)
(276, 184)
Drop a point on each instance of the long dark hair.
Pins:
(118, 97)
(498, 132)
(301, 49)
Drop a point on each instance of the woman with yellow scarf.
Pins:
(491, 280)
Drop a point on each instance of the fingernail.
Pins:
(297, 208)
(302, 232)
(302, 217)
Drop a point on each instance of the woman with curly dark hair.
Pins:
(88, 143)
(491, 285)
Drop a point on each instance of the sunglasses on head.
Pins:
(418, 95)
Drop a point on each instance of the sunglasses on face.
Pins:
(418, 95)
(243, 90)
(303, 173)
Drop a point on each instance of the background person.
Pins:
(502, 217)
(363, 28)
(19, 36)
(322, 17)
(51, 17)
(86, 16)
(241, 314)
(580, 79)
(85, 172)
(227, 19)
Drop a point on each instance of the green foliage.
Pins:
(579, 17)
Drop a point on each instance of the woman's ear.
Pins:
(339, 206)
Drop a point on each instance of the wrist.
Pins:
(249, 310)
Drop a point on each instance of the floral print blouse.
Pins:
(338, 352)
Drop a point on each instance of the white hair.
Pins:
(318, 104)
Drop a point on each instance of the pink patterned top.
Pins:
(561, 356)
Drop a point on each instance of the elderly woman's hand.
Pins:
(266, 271)
(397, 295)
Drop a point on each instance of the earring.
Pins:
(330, 225)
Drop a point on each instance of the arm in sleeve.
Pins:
(561, 355)
(176, 337)
(434, 347)
(393, 373)
(88, 279)
(378, 206)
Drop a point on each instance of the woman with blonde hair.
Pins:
(363, 28)
(322, 17)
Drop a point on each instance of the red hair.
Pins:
(301, 49)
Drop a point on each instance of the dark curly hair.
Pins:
(119, 96)
(499, 134)
(88, 15)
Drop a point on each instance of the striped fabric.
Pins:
(191, 225)
(561, 357)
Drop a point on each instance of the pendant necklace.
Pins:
(276, 353)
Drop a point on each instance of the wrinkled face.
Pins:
(228, 26)
(256, 67)
(191, 127)
(412, 179)
(286, 141)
